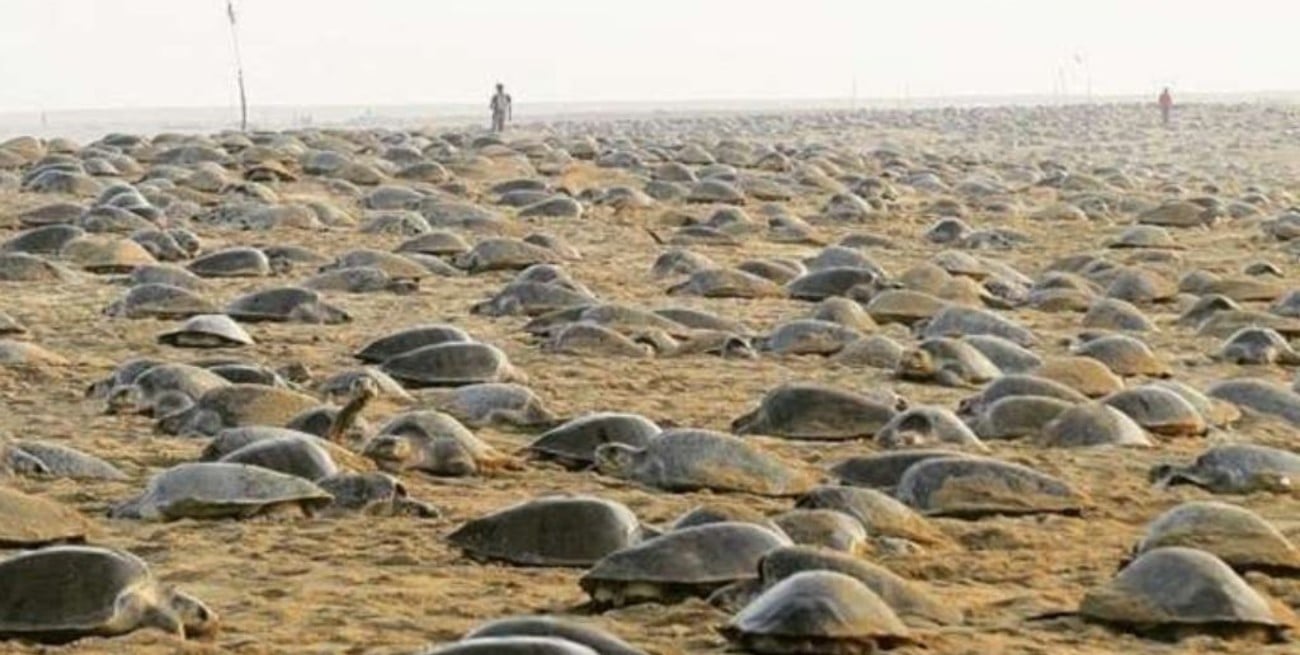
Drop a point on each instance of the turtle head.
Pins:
(1167, 475)
(915, 363)
(748, 423)
(123, 400)
(174, 411)
(15, 460)
(390, 452)
(616, 459)
(657, 339)
(735, 347)
(196, 619)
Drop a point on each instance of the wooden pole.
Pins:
(239, 67)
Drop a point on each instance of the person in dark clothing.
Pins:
(1166, 106)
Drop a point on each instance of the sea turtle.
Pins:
(825, 528)
(43, 240)
(831, 282)
(817, 611)
(1224, 323)
(1234, 469)
(1141, 285)
(359, 279)
(721, 513)
(602, 642)
(1143, 236)
(1205, 307)
(697, 319)
(1159, 410)
(434, 443)
(845, 312)
(1255, 345)
(916, 606)
(882, 470)
(344, 384)
(408, 339)
(688, 460)
(137, 385)
(299, 456)
(727, 283)
(491, 403)
(1017, 385)
(22, 267)
(904, 306)
(398, 267)
(871, 351)
(451, 363)
(57, 460)
(1208, 598)
(286, 305)
(574, 443)
(207, 331)
(1124, 355)
(500, 254)
(948, 362)
(166, 274)
(230, 406)
(373, 493)
(62, 594)
(1091, 424)
(955, 320)
(440, 243)
(162, 301)
(1090, 377)
(1236, 535)
(216, 490)
(591, 340)
(816, 412)
(1259, 396)
(880, 514)
(104, 255)
(924, 426)
(973, 487)
(691, 562)
(678, 261)
(1012, 417)
(715, 191)
(1217, 413)
(777, 270)
(236, 261)
(35, 521)
(808, 336)
(574, 531)
(23, 353)
(1006, 355)
(520, 645)
(531, 299)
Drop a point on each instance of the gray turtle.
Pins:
(574, 443)
(233, 406)
(34, 521)
(22, 267)
(872, 351)
(845, 312)
(691, 562)
(1234, 469)
(807, 336)
(592, 637)
(831, 282)
(58, 460)
(834, 612)
(207, 331)
(727, 283)
(882, 470)
(1254, 345)
(216, 490)
(374, 494)
(391, 345)
(880, 514)
(286, 305)
(689, 460)
(1006, 355)
(1018, 385)
(1209, 598)
(359, 279)
(1092, 424)
(591, 340)
(1236, 535)
(165, 274)
(504, 254)
(440, 243)
(973, 487)
(452, 363)
(59, 595)
(517, 645)
(399, 268)
(531, 299)
(924, 426)
(139, 385)
(492, 403)
(955, 320)
(1090, 377)
(696, 319)
(811, 411)
(948, 362)
(299, 456)
(159, 301)
(904, 306)
(1124, 355)
(43, 240)
(573, 531)
(1159, 410)
(678, 261)
(239, 261)
(1259, 396)
(434, 443)
(825, 528)
(1013, 417)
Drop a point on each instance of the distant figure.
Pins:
(1166, 105)
(500, 108)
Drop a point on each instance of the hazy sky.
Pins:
(60, 54)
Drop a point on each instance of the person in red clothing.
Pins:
(1166, 105)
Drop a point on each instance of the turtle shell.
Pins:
(1234, 534)
(575, 442)
(452, 363)
(31, 521)
(213, 490)
(971, 487)
(559, 531)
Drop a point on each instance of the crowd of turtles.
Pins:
(951, 380)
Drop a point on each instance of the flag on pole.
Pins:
(230, 10)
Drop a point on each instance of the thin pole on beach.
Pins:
(239, 67)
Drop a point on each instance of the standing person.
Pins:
(501, 110)
(1166, 105)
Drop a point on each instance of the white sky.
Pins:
(64, 54)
